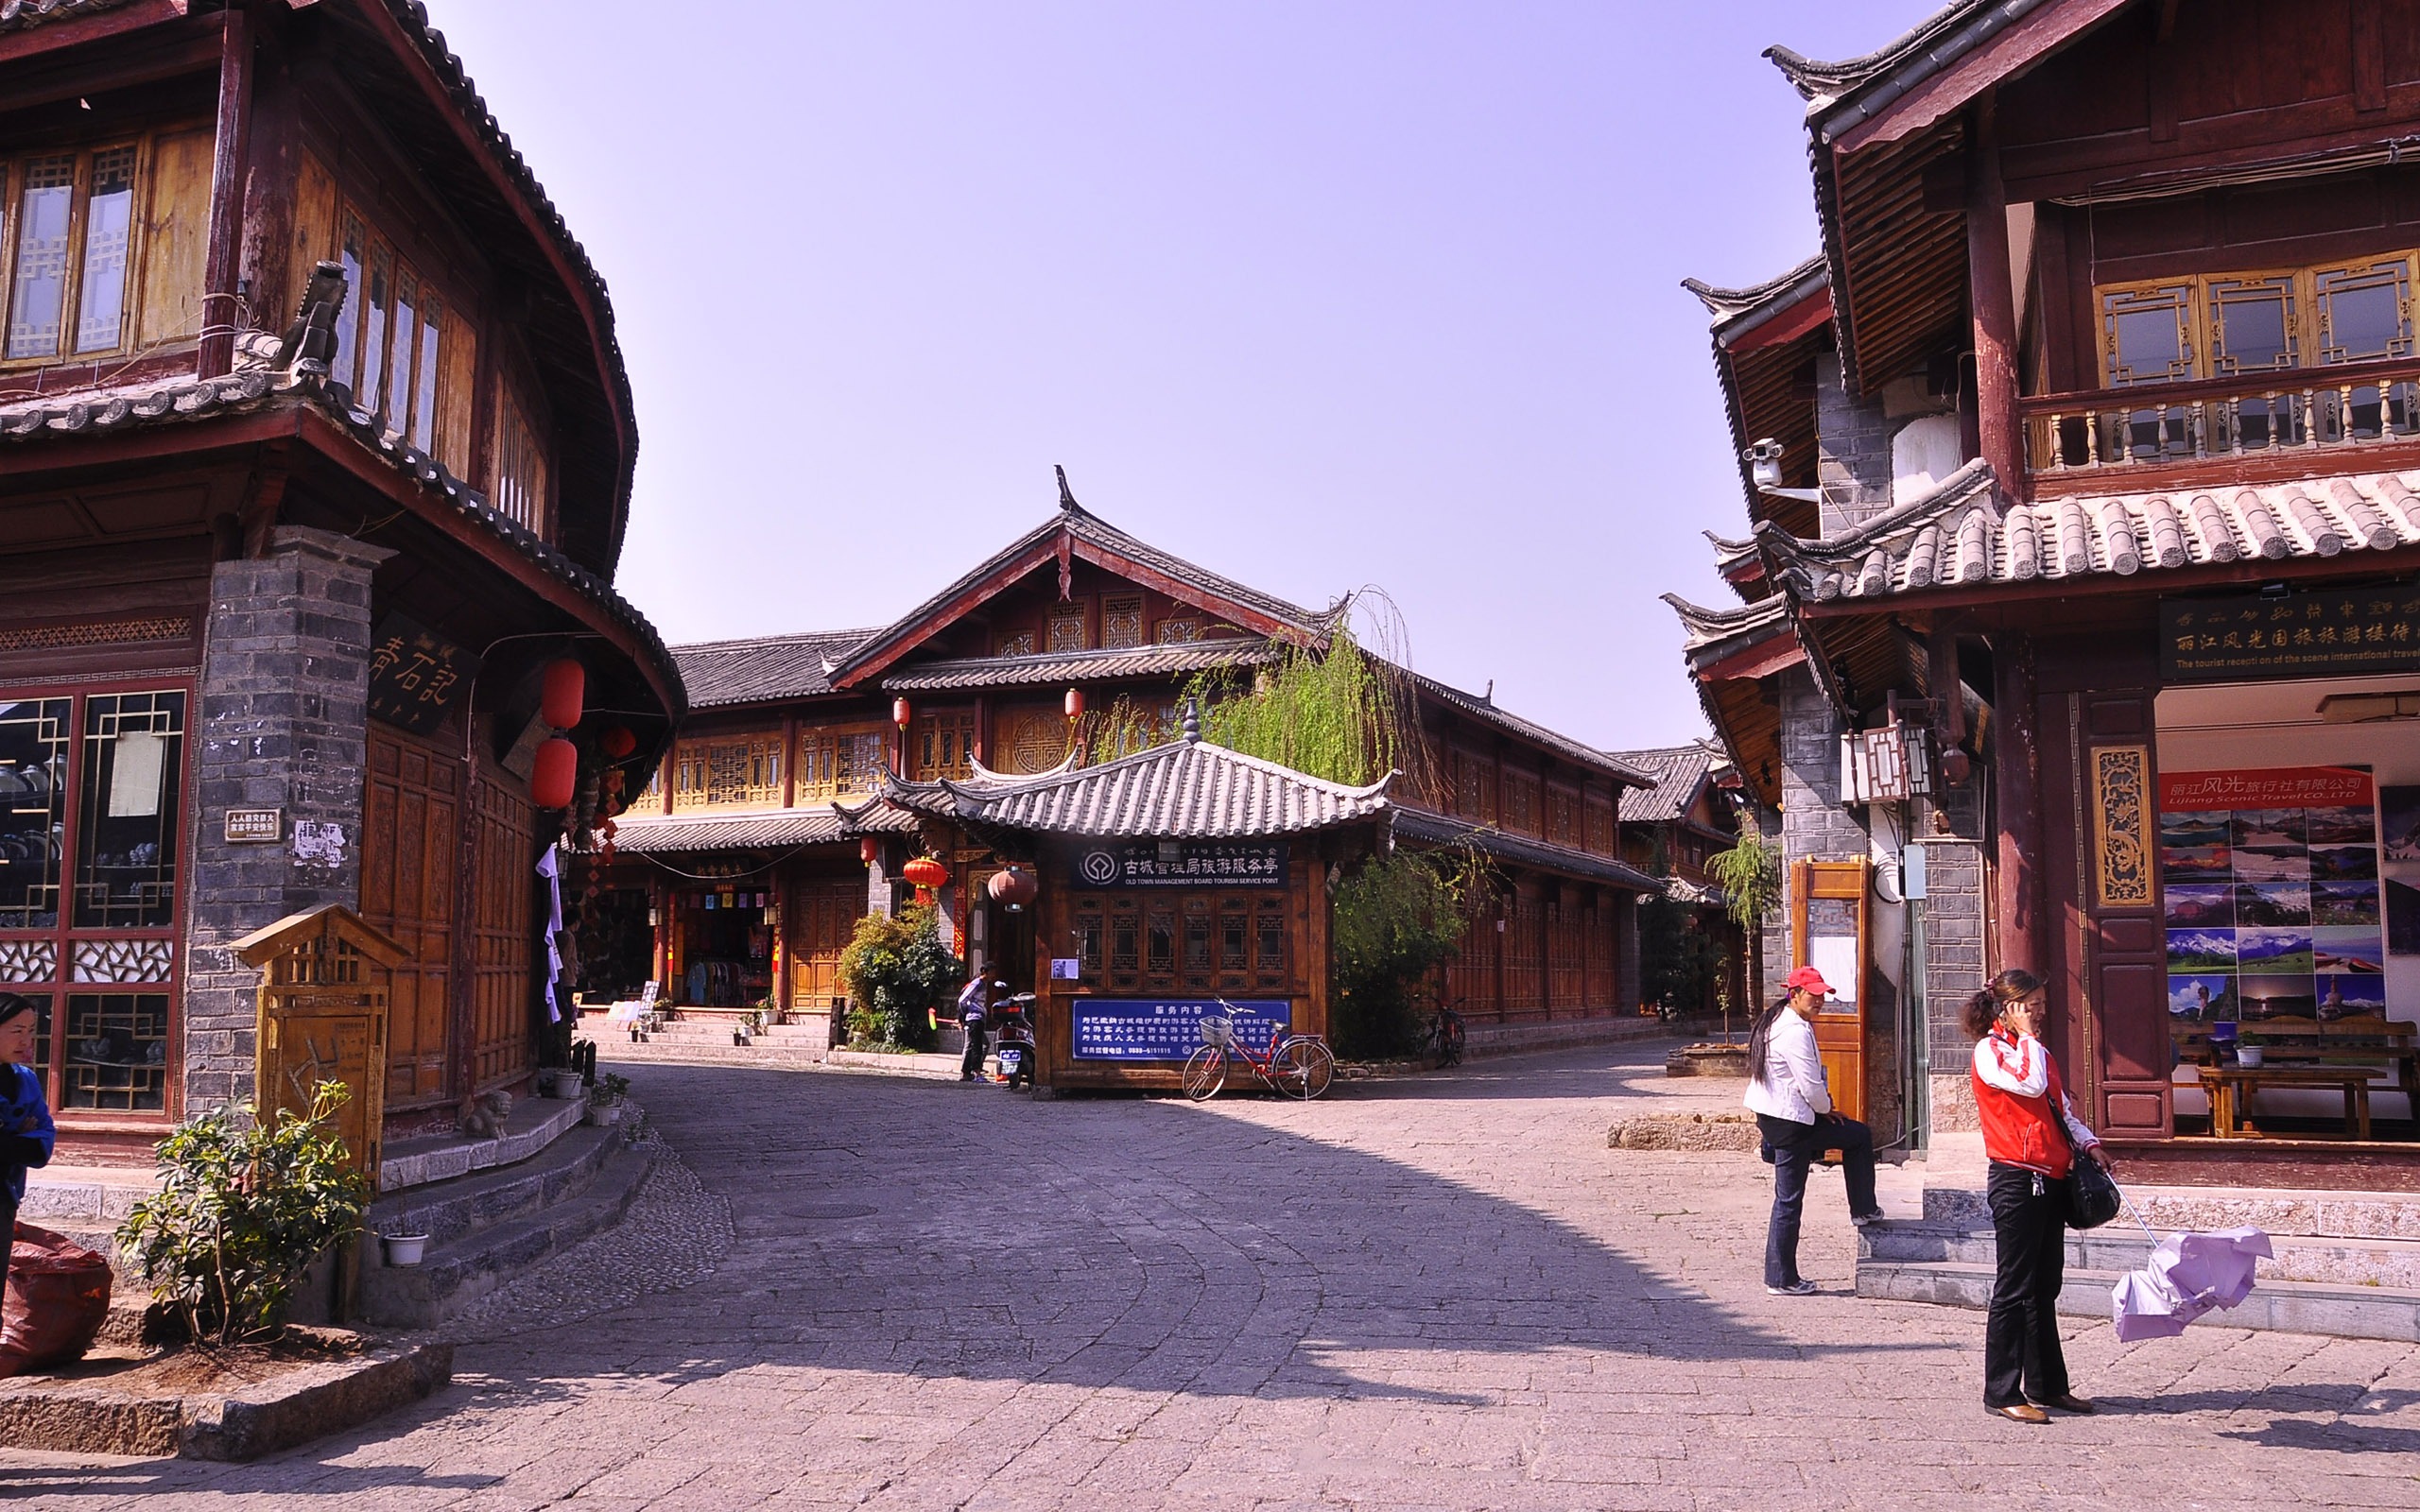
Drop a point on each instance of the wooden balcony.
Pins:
(2248, 427)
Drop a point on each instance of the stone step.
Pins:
(707, 1052)
(533, 1124)
(464, 1205)
(2299, 1258)
(2280, 1307)
(453, 1275)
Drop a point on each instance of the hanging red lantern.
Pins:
(868, 848)
(552, 777)
(565, 687)
(900, 713)
(1013, 887)
(1075, 703)
(617, 742)
(925, 873)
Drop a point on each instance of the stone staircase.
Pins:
(2348, 1264)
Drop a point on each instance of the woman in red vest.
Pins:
(2034, 1138)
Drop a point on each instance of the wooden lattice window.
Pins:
(69, 252)
(730, 771)
(2253, 324)
(518, 487)
(1179, 629)
(1600, 827)
(1069, 629)
(1475, 787)
(1521, 802)
(2147, 334)
(1092, 930)
(945, 745)
(1121, 622)
(1033, 739)
(1563, 817)
(1018, 643)
(837, 761)
(391, 340)
(2364, 311)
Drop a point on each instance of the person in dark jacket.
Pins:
(27, 1136)
(2034, 1139)
(974, 1015)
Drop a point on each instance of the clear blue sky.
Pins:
(1318, 294)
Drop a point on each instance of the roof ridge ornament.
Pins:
(1192, 722)
(1066, 495)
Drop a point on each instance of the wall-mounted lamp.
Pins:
(1764, 470)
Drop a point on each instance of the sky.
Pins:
(1325, 296)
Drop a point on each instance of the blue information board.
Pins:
(1168, 1028)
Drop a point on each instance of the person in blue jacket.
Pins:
(26, 1135)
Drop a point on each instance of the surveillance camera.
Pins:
(1764, 463)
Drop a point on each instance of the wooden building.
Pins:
(315, 446)
(1669, 832)
(760, 844)
(2078, 619)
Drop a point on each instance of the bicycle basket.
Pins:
(1218, 1030)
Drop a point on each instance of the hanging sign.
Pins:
(1168, 1028)
(1181, 863)
(415, 674)
(2300, 635)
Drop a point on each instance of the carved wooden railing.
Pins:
(2309, 409)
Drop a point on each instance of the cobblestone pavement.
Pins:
(1425, 1291)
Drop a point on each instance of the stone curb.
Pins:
(1684, 1131)
(69, 1417)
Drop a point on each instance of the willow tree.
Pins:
(1336, 714)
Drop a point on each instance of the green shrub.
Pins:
(1397, 918)
(242, 1212)
(898, 974)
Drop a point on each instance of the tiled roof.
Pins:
(257, 384)
(1679, 770)
(763, 667)
(1962, 536)
(1681, 890)
(1484, 710)
(1079, 666)
(1185, 790)
(15, 15)
(1933, 44)
(1712, 628)
(1443, 829)
(1738, 311)
(1081, 525)
(657, 834)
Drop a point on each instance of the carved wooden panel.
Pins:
(2121, 822)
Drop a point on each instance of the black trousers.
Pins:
(1795, 1147)
(971, 1066)
(2021, 1356)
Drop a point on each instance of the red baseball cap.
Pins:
(1810, 980)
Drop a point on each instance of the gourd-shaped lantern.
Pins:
(926, 874)
(1013, 887)
(565, 689)
(617, 742)
(554, 773)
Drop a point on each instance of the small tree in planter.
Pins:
(898, 973)
(1750, 873)
(244, 1209)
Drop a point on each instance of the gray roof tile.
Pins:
(1185, 790)
(763, 667)
(1081, 667)
(1426, 824)
(1679, 771)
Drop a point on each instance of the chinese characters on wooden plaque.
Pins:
(415, 675)
(2307, 635)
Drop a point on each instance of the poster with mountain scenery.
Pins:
(2272, 888)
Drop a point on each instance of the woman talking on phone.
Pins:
(2034, 1139)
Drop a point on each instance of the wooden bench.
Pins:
(2348, 1053)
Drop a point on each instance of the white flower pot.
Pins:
(403, 1249)
(563, 1083)
(2250, 1056)
(604, 1114)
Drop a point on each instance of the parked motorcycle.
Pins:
(1014, 1052)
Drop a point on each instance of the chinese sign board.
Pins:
(415, 675)
(1168, 1028)
(2270, 887)
(1140, 864)
(255, 826)
(2300, 635)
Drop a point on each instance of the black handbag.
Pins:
(2092, 1194)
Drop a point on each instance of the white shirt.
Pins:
(1792, 1086)
(2028, 1075)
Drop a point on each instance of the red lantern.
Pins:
(1075, 703)
(557, 769)
(617, 742)
(900, 713)
(1013, 887)
(868, 848)
(925, 873)
(567, 685)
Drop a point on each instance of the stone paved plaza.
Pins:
(1426, 1292)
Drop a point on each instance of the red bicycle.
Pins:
(1293, 1065)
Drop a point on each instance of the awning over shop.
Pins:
(681, 835)
(1443, 829)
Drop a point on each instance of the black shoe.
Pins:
(2069, 1403)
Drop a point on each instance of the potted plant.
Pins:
(2248, 1051)
(561, 1082)
(404, 1247)
(605, 1099)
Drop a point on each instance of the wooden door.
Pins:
(411, 835)
(1828, 918)
(2112, 1030)
(823, 914)
(503, 931)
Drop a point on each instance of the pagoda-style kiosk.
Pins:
(323, 1007)
(1180, 882)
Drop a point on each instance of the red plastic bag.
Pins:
(58, 1298)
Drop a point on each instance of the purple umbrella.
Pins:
(2187, 1276)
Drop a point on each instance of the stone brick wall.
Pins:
(281, 724)
(1954, 883)
(1814, 826)
(1852, 452)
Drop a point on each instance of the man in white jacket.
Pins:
(1792, 1102)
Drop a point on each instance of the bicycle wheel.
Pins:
(1450, 1051)
(1302, 1068)
(1205, 1073)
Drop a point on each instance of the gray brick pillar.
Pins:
(282, 724)
(1953, 951)
(1852, 452)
